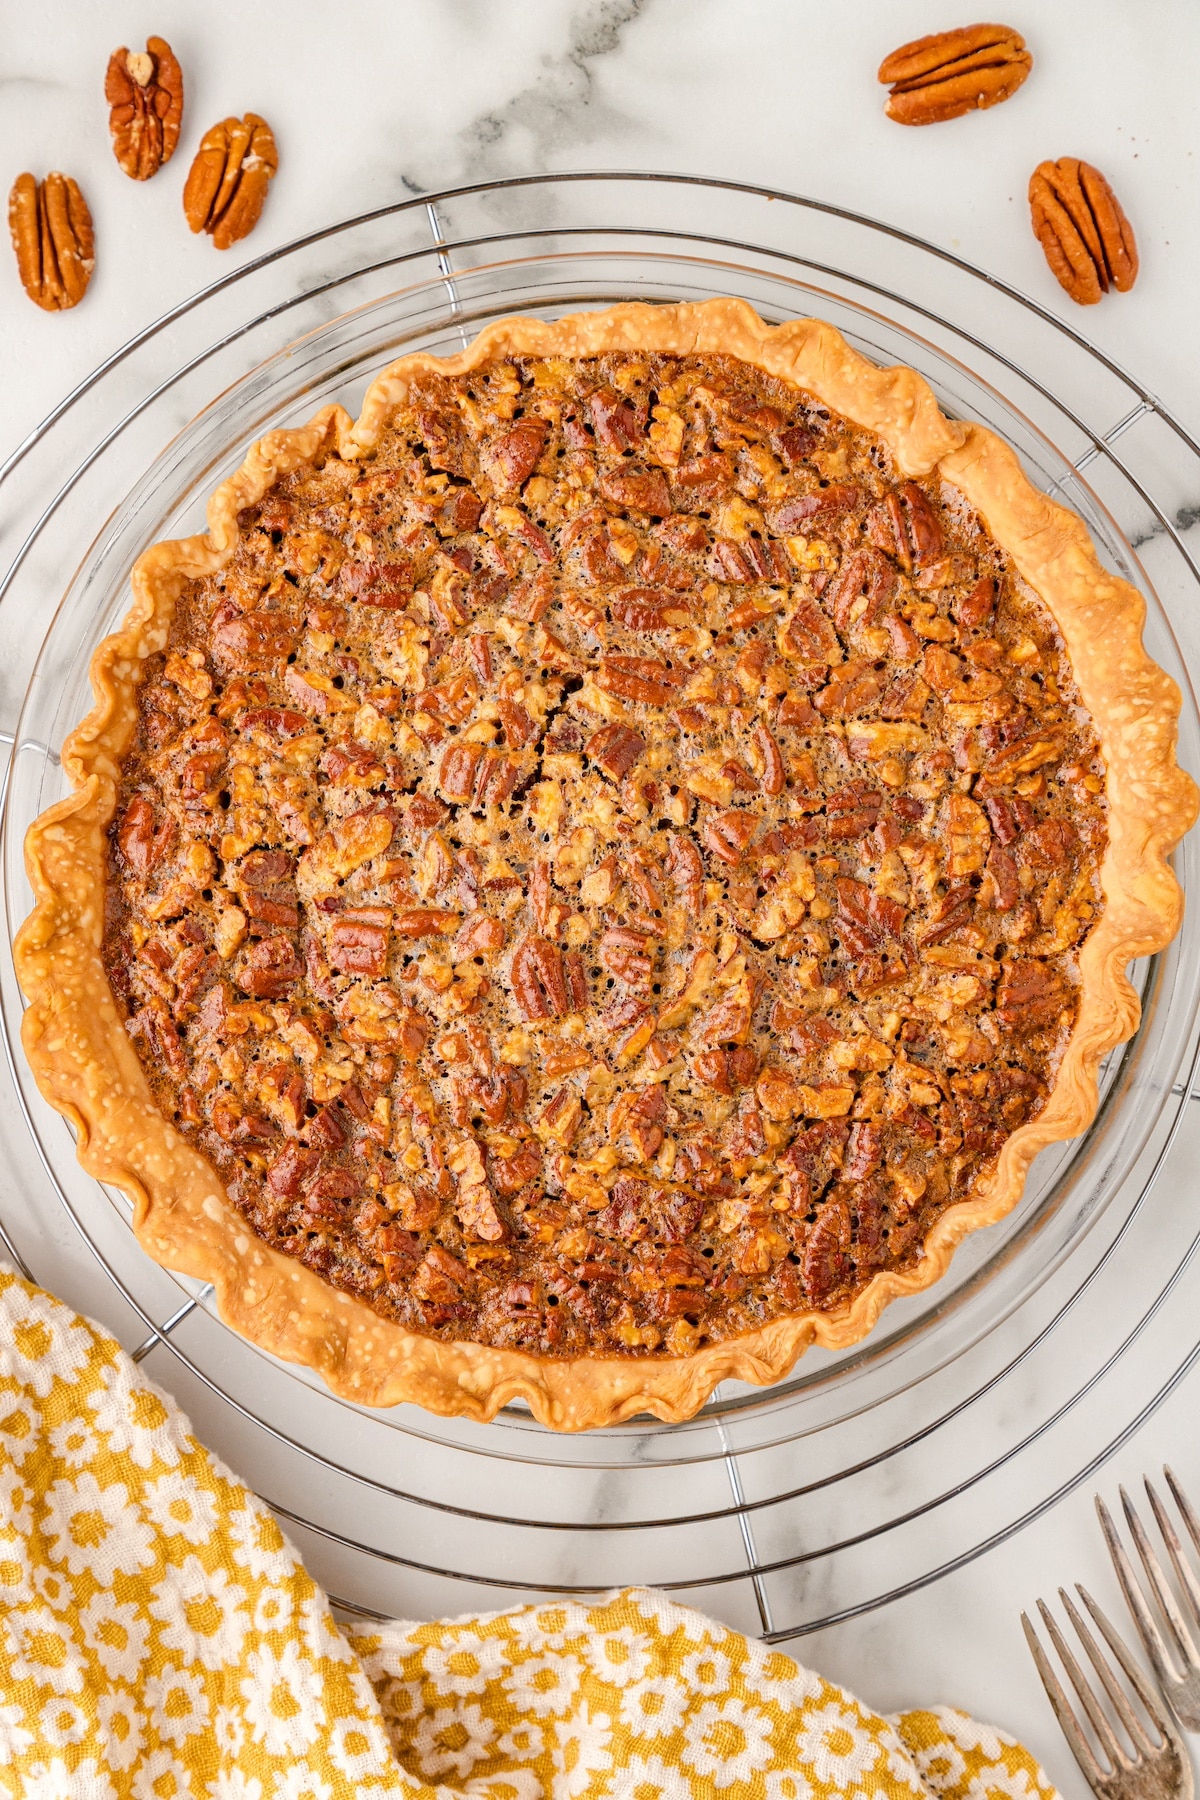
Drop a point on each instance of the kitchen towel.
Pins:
(160, 1639)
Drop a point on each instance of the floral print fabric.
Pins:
(160, 1640)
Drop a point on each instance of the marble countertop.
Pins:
(378, 103)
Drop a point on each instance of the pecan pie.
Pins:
(599, 874)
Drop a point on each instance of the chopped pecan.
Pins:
(639, 678)
(975, 608)
(53, 240)
(424, 921)
(253, 640)
(954, 72)
(968, 836)
(852, 811)
(325, 1130)
(648, 609)
(771, 774)
(511, 460)
(269, 969)
(276, 721)
(638, 490)
(358, 941)
(616, 421)
(440, 1277)
(729, 1021)
(480, 935)
(643, 1209)
(727, 834)
(854, 689)
(677, 1267)
(1009, 818)
(806, 634)
(624, 952)
(291, 1168)
(905, 699)
(796, 443)
(1050, 844)
(445, 440)
(684, 868)
(460, 510)
(857, 594)
(144, 90)
(615, 748)
(864, 1151)
(471, 773)
(143, 843)
(475, 1204)
(227, 183)
(725, 1071)
(519, 729)
(547, 984)
(906, 526)
(561, 1117)
(703, 481)
(387, 585)
(792, 516)
(952, 912)
(510, 1174)
(825, 1261)
(1001, 886)
(1030, 995)
(866, 918)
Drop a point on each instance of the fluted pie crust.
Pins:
(87, 1067)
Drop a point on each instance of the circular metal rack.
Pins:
(972, 1408)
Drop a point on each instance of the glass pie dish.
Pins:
(882, 1463)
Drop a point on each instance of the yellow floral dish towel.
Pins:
(161, 1640)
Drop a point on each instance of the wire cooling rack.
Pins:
(972, 1409)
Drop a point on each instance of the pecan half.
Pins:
(144, 90)
(53, 240)
(954, 72)
(1079, 223)
(228, 181)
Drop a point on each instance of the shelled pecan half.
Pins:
(144, 90)
(228, 181)
(1079, 223)
(53, 239)
(954, 72)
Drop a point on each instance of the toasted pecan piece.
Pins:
(954, 72)
(227, 183)
(52, 238)
(144, 90)
(1078, 220)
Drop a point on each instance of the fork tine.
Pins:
(1159, 1586)
(1134, 1675)
(1105, 1735)
(1062, 1708)
(1182, 1568)
(1112, 1687)
(1185, 1507)
(1148, 1631)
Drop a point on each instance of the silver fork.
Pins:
(1145, 1771)
(1177, 1667)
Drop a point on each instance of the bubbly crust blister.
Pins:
(83, 1058)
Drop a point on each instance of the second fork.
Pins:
(1176, 1665)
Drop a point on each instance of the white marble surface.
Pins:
(378, 102)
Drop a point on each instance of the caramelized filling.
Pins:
(608, 869)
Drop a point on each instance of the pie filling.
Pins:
(608, 869)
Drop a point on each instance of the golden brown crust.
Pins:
(88, 1069)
